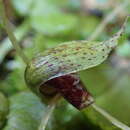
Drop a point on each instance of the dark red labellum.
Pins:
(72, 89)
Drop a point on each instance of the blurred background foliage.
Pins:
(42, 24)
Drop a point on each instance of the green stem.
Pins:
(46, 117)
(49, 112)
(9, 31)
(113, 120)
(19, 33)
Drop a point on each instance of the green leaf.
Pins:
(24, 7)
(14, 82)
(4, 106)
(124, 50)
(54, 23)
(26, 111)
(87, 25)
(47, 18)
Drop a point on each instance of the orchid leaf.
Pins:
(26, 111)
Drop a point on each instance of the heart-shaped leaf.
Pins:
(26, 111)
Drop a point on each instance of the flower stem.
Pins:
(113, 120)
(9, 31)
(49, 111)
